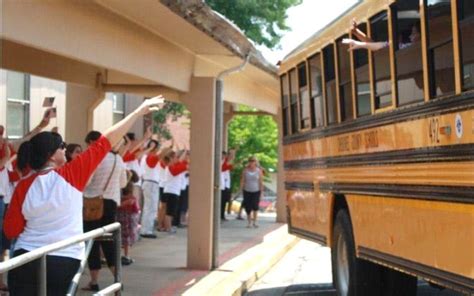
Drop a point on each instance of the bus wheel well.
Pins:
(339, 204)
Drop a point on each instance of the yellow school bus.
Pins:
(378, 145)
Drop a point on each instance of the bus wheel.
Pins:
(398, 283)
(351, 276)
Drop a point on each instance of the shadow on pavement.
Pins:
(327, 290)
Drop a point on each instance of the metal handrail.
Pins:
(41, 253)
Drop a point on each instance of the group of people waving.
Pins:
(46, 203)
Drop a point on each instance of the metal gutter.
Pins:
(217, 27)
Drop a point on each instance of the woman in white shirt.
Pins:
(46, 207)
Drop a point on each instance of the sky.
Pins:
(305, 20)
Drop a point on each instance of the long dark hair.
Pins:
(36, 152)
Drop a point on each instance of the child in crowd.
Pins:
(128, 214)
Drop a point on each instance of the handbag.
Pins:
(93, 208)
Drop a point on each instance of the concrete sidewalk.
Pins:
(160, 264)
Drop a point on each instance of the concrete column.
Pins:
(79, 100)
(200, 101)
(281, 192)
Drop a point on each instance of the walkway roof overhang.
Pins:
(142, 46)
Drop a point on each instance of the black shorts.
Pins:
(162, 195)
(171, 203)
(251, 201)
(226, 195)
(184, 200)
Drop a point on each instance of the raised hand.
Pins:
(150, 105)
(46, 118)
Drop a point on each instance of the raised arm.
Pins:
(140, 143)
(373, 46)
(7, 154)
(116, 132)
(36, 130)
(358, 33)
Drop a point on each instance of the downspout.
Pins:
(217, 158)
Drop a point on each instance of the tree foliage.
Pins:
(263, 21)
(169, 110)
(253, 135)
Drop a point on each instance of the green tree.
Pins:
(170, 109)
(253, 135)
(263, 21)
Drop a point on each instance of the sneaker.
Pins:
(172, 230)
(127, 260)
(150, 235)
(91, 287)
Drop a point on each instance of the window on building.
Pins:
(304, 97)
(18, 104)
(381, 61)
(362, 77)
(294, 101)
(345, 81)
(440, 47)
(317, 107)
(408, 51)
(330, 79)
(285, 95)
(118, 107)
(466, 29)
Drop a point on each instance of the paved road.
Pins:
(306, 270)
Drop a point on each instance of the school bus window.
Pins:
(285, 94)
(408, 51)
(294, 101)
(345, 81)
(381, 61)
(304, 97)
(440, 47)
(330, 78)
(317, 107)
(466, 28)
(362, 82)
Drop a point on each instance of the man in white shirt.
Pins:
(107, 180)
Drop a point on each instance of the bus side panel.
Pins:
(439, 235)
(310, 214)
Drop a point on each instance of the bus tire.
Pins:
(351, 276)
(398, 283)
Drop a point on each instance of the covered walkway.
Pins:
(143, 47)
(160, 264)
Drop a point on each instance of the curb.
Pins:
(237, 275)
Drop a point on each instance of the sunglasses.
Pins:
(62, 146)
